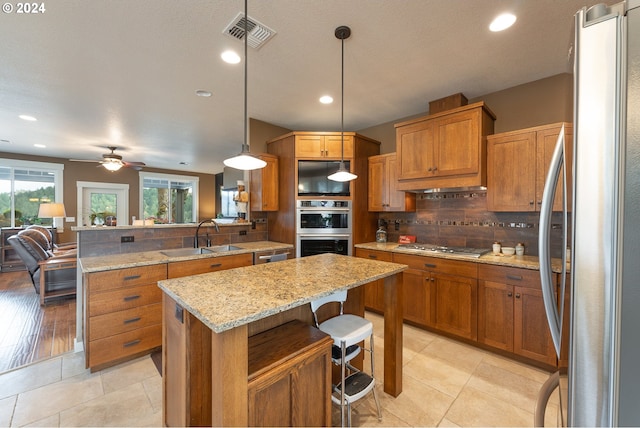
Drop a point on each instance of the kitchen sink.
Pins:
(222, 248)
(178, 252)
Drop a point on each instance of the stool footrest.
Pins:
(355, 384)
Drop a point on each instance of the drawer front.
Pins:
(383, 256)
(123, 298)
(123, 345)
(209, 264)
(110, 280)
(106, 325)
(509, 275)
(438, 265)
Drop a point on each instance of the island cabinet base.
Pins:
(288, 374)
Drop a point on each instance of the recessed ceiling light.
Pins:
(41, 146)
(230, 57)
(502, 22)
(184, 163)
(326, 99)
(27, 117)
(203, 93)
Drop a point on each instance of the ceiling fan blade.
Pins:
(84, 160)
(134, 163)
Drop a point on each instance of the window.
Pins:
(23, 186)
(168, 198)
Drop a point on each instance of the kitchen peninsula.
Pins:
(223, 309)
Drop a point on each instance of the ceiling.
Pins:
(124, 72)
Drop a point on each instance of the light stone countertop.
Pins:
(226, 299)
(146, 258)
(523, 262)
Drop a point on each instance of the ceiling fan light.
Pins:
(112, 166)
(245, 162)
(342, 174)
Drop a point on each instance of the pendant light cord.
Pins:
(245, 146)
(342, 107)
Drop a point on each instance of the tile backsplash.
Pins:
(462, 219)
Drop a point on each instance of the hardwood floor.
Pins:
(31, 332)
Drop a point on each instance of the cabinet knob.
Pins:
(432, 279)
(509, 294)
(435, 168)
(531, 203)
(430, 169)
(517, 295)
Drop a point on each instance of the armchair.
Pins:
(52, 246)
(52, 276)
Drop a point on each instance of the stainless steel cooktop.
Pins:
(458, 251)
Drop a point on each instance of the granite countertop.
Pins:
(146, 258)
(226, 299)
(523, 262)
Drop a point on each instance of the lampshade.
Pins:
(51, 210)
(342, 32)
(245, 161)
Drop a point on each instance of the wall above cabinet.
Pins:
(444, 150)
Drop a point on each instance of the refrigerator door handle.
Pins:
(554, 316)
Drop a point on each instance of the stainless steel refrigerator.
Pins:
(603, 378)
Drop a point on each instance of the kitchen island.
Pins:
(227, 307)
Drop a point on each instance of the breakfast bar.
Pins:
(209, 318)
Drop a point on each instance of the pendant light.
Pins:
(343, 174)
(244, 160)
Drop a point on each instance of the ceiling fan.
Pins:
(113, 162)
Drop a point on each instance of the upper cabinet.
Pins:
(518, 162)
(263, 183)
(444, 150)
(323, 145)
(383, 184)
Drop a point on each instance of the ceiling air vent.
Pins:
(259, 33)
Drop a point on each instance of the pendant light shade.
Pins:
(245, 161)
(342, 32)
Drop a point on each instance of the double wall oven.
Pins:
(323, 227)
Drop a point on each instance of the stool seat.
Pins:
(347, 328)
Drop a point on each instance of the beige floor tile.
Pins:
(517, 367)
(474, 408)
(51, 421)
(73, 364)
(417, 405)
(128, 406)
(30, 377)
(447, 423)
(153, 389)
(465, 357)
(128, 373)
(50, 399)
(506, 386)
(6, 410)
(445, 376)
(416, 339)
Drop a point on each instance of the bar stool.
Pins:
(347, 331)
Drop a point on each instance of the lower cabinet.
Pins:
(511, 314)
(290, 377)
(209, 264)
(374, 291)
(123, 314)
(440, 293)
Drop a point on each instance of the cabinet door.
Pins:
(309, 146)
(378, 190)
(495, 315)
(532, 338)
(457, 148)
(546, 141)
(374, 291)
(414, 148)
(511, 172)
(456, 305)
(397, 200)
(418, 296)
(333, 146)
(263, 183)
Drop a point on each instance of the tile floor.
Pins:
(445, 384)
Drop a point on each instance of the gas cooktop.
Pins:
(458, 251)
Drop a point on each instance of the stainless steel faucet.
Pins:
(208, 220)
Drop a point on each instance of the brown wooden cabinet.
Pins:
(323, 145)
(515, 182)
(440, 293)
(511, 314)
(208, 264)
(290, 377)
(374, 291)
(383, 184)
(263, 185)
(123, 314)
(447, 149)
